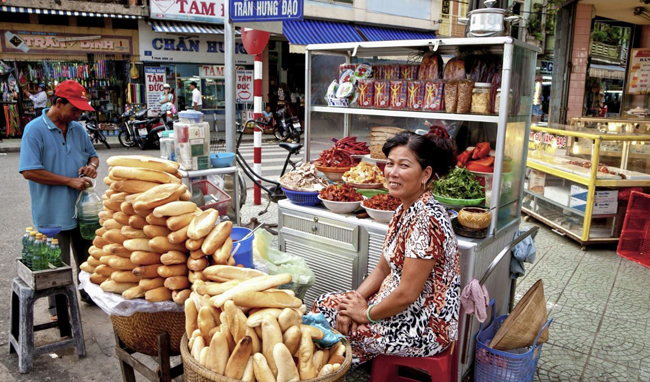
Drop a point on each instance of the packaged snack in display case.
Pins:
(363, 71)
(378, 72)
(431, 67)
(451, 96)
(465, 88)
(382, 94)
(398, 90)
(344, 67)
(415, 99)
(455, 69)
(481, 98)
(392, 72)
(433, 96)
(409, 72)
(366, 90)
(346, 76)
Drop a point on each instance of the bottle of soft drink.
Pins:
(39, 259)
(54, 254)
(29, 254)
(25, 242)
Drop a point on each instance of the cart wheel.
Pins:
(526, 218)
(583, 248)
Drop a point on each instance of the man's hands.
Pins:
(79, 183)
(89, 171)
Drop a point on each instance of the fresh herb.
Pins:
(459, 184)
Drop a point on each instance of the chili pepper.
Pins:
(487, 161)
(473, 166)
(463, 158)
(481, 150)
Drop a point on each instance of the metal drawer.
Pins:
(335, 271)
(322, 230)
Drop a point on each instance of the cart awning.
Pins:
(180, 27)
(612, 72)
(60, 12)
(319, 32)
(372, 33)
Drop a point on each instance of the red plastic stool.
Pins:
(441, 367)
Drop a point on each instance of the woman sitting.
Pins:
(409, 304)
(167, 100)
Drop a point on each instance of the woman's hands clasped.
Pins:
(352, 313)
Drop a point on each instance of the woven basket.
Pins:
(194, 372)
(140, 331)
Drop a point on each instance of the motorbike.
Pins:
(284, 125)
(143, 131)
(92, 128)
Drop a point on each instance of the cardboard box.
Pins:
(536, 181)
(557, 194)
(600, 208)
(600, 196)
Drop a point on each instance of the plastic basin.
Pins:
(49, 230)
(222, 159)
(244, 254)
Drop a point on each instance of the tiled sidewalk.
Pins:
(600, 303)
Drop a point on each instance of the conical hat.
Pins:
(524, 323)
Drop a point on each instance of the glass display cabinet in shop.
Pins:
(579, 177)
(343, 249)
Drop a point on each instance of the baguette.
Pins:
(271, 336)
(177, 283)
(204, 356)
(133, 233)
(197, 254)
(105, 214)
(108, 181)
(117, 250)
(145, 258)
(287, 370)
(173, 257)
(133, 292)
(159, 195)
(138, 245)
(239, 359)
(97, 278)
(191, 316)
(253, 299)
(291, 338)
(156, 221)
(122, 264)
(93, 262)
(202, 224)
(161, 244)
(215, 289)
(117, 196)
(205, 322)
(222, 255)
(327, 369)
(197, 346)
(178, 237)
(149, 284)
(289, 318)
(125, 277)
(175, 223)
(111, 224)
(147, 271)
(225, 330)
(261, 369)
(127, 208)
(158, 294)
(155, 230)
(257, 343)
(193, 245)
(144, 213)
(306, 357)
(104, 259)
(87, 267)
(104, 270)
(131, 197)
(114, 236)
(144, 174)
(137, 222)
(197, 264)
(318, 360)
(180, 296)
(121, 217)
(236, 320)
(313, 331)
(218, 354)
(113, 205)
(100, 231)
(194, 276)
(255, 284)
(186, 196)
(255, 319)
(172, 270)
(95, 252)
(115, 287)
(249, 375)
(99, 242)
(216, 237)
(143, 161)
(174, 209)
(232, 273)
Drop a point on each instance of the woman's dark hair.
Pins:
(434, 152)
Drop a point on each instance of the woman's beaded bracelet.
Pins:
(368, 314)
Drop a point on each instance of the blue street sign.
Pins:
(266, 10)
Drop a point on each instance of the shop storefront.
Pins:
(98, 58)
(191, 54)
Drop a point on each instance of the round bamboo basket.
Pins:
(194, 372)
(140, 331)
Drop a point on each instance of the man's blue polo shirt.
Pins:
(43, 148)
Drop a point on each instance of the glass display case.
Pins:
(564, 188)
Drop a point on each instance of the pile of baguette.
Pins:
(153, 241)
(241, 326)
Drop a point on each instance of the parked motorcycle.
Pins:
(92, 128)
(143, 131)
(284, 126)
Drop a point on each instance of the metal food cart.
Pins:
(342, 250)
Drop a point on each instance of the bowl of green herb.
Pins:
(459, 188)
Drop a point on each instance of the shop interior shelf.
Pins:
(407, 114)
(549, 201)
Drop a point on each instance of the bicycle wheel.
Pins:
(125, 139)
(280, 133)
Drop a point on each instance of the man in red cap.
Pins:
(57, 158)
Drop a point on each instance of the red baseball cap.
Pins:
(75, 93)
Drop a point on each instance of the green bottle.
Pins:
(29, 255)
(54, 255)
(25, 242)
(39, 259)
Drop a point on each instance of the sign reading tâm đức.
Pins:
(266, 10)
(203, 11)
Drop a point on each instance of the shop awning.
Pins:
(179, 27)
(59, 12)
(611, 72)
(319, 32)
(372, 33)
